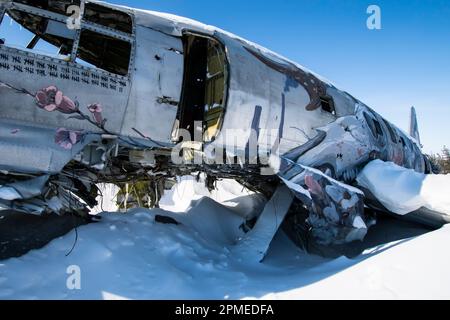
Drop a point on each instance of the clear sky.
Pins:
(405, 63)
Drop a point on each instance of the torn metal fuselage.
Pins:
(135, 96)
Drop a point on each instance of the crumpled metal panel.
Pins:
(26, 189)
(336, 211)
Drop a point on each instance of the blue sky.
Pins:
(405, 63)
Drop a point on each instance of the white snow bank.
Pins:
(408, 269)
(212, 221)
(403, 191)
(227, 192)
(132, 257)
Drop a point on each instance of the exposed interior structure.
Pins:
(93, 12)
(104, 52)
(204, 87)
(94, 45)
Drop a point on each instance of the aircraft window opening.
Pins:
(93, 12)
(378, 128)
(2, 13)
(24, 31)
(327, 105)
(101, 49)
(408, 144)
(403, 142)
(374, 125)
(204, 87)
(104, 52)
(391, 132)
(108, 17)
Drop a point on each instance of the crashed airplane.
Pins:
(137, 96)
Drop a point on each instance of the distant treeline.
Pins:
(441, 161)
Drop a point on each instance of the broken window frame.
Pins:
(95, 7)
(378, 128)
(2, 12)
(103, 52)
(41, 28)
(371, 124)
(392, 133)
(327, 104)
(100, 29)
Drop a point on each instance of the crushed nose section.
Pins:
(32, 174)
(335, 211)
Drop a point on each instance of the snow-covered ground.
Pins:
(130, 256)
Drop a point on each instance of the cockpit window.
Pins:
(35, 33)
(103, 48)
(51, 31)
(374, 126)
(391, 132)
(378, 129)
(104, 52)
(107, 17)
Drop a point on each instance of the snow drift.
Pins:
(403, 191)
(130, 256)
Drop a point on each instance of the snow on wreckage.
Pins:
(138, 98)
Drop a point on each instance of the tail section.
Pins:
(413, 126)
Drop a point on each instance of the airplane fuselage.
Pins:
(128, 87)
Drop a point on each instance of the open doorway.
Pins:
(203, 100)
